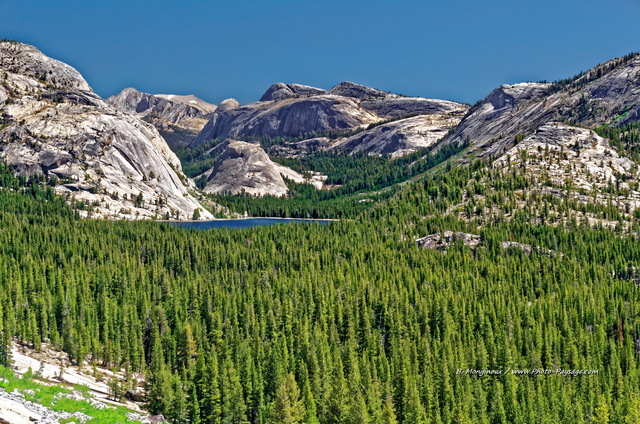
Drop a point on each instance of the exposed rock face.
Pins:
(443, 241)
(289, 117)
(55, 125)
(30, 69)
(177, 118)
(228, 104)
(401, 137)
(395, 108)
(574, 164)
(508, 111)
(598, 97)
(279, 91)
(294, 110)
(246, 168)
(527, 249)
(565, 154)
(357, 91)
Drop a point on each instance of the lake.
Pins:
(243, 223)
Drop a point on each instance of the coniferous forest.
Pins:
(345, 323)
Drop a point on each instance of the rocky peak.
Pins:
(134, 101)
(607, 94)
(508, 111)
(357, 91)
(228, 104)
(292, 117)
(279, 91)
(189, 100)
(130, 100)
(27, 61)
(177, 118)
(246, 168)
(294, 110)
(510, 95)
(56, 126)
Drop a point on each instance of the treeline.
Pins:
(583, 78)
(344, 323)
(625, 139)
(196, 160)
(370, 177)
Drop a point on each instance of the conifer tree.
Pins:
(288, 408)
(602, 411)
(233, 406)
(388, 413)
(207, 387)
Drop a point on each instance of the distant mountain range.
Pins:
(116, 156)
(178, 118)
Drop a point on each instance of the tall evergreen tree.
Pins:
(288, 408)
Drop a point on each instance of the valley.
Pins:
(499, 236)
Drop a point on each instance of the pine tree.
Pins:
(388, 413)
(632, 414)
(178, 411)
(233, 405)
(207, 387)
(5, 349)
(338, 402)
(311, 415)
(193, 408)
(602, 411)
(159, 389)
(288, 408)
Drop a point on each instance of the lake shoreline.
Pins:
(242, 223)
(164, 221)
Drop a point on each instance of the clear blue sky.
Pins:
(457, 50)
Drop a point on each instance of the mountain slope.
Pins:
(298, 111)
(246, 168)
(177, 118)
(401, 137)
(54, 125)
(289, 117)
(595, 98)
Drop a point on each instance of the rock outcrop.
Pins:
(357, 91)
(400, 137)
(443, 241)
(290, 117)
(299, 111)
(607, 94)
(279, 91)
(246, 168)
(177, 118)
(53, 124)
(575, 163)
(228, 104)
(510, 110)
(401, 107)
(562, 154)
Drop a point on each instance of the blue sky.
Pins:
(458, 50)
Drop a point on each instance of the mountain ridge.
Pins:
(177, 118)
(53, 124)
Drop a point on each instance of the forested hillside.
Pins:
(345, 323)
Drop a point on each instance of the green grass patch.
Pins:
(53, 398)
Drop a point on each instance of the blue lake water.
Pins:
(242, 223)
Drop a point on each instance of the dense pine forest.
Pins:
(345, 323)
(356, 181)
